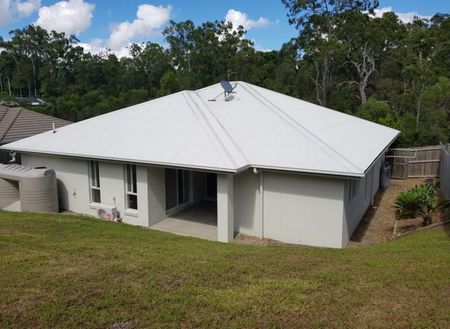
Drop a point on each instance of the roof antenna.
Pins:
(229, 73)
(227, 90)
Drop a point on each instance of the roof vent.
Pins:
(227, 90)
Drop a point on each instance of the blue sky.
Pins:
(114, 24)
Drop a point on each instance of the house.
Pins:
(274, 166)
(18, 123)
(33, 101)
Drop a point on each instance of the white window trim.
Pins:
(97, 182)
(128, 210)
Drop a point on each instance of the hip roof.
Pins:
(253, 127)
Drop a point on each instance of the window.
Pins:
(131, 186)
(94, 181)
(352, 189)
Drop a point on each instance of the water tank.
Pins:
(9, 195)
(385, 175)
(36, 188)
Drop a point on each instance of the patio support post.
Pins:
(225, 212)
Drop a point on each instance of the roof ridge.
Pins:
(205, 124)
(8, 120)
(299, 127)
(211, 113)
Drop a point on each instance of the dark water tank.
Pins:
(385, 175)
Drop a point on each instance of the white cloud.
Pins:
(26, 8)
(404, 17)
(5, 12)
(149, 19)
(13, 9)
(238, 18)
(258, 47)
(97, 47)
(71, 17)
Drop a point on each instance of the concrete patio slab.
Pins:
(199, 221)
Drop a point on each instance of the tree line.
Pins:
(344, 58)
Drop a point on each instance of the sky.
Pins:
(115, 24)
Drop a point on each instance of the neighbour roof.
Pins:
(18, 123)
(13, 171)
(257, 127)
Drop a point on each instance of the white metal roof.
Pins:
(257, 127)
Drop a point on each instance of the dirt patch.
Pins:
(256, 241)
(378, 223)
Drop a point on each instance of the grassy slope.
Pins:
(69, 272)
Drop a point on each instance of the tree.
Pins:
(316, 21)
(363, 40)
(179, 38)
(417, 72)
(6, 70)
(150, 60)
(435, 123)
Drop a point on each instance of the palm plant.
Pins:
(420, 200)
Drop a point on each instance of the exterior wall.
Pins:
(74, 190)
(293, 208)
(4, 156)
(156, 188)
(72, 178)
(303, 209)
(356, 207)
(247, 203)
(225, 208)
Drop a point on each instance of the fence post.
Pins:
(444, 171)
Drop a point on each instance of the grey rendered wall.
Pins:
(355, 208)
(156, 195)
(112, 190)
(303, 209)
(247, 203)
(73, 187)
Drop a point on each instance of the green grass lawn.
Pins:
(60, 271)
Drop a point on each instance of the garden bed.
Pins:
(378, 223)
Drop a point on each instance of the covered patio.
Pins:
(198, 204)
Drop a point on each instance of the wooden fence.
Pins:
(415, 162)
(444, 175)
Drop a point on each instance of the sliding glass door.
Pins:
(178, 188)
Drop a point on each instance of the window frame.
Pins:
(352, 189)
(130, 180)
(94, 181)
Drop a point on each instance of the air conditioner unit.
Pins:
(108, 213)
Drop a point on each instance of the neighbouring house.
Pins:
(17, 123)
(273, 166)
(33, 101)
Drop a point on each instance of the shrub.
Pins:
(421, 201)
